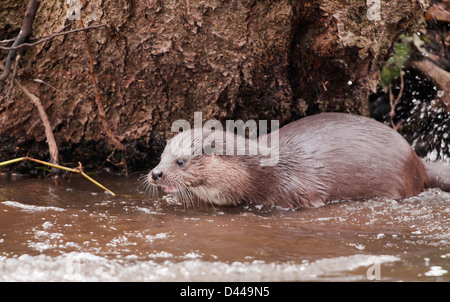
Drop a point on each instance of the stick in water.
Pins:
(77, 170)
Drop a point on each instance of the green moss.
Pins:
(395, 63)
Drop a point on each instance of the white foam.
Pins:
(151, 238)
(147, 211)
(47, 225)
(76, 266)
(436, 271)
(30, 208)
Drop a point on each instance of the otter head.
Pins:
(193, 164)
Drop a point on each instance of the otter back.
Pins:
(336, 156)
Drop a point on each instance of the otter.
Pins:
(322, 158)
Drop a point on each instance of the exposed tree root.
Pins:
(53, 148)
(101, 111)
(439, 76)
(25, 31)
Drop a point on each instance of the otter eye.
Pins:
(179, 162)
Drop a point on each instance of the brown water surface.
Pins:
(74, 231)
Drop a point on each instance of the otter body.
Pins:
(322, 158)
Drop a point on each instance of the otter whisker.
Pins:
(148, 188)
(151, 190)
(187, 194)
(181, 193)
(207, 198)
(143, 182)
(186, 197)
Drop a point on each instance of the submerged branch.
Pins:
(78, 170)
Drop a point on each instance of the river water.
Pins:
(75, 232)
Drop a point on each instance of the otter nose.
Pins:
(156, 174)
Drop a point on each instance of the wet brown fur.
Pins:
(325, 157)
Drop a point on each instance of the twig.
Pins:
(122, 162)
(49, 37)
(53, 148)
(78, 170)
(7, 41)
(393, 102)
(42, 82)
(101, 111)
(11, 83)
(25, 31)
(41, 40)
